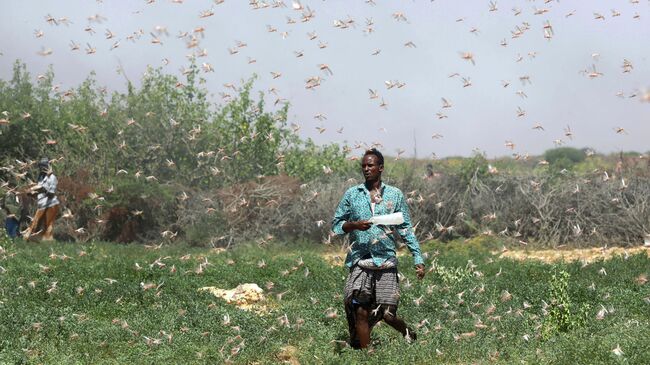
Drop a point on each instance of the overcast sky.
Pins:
(419, 44)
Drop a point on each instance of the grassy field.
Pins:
(107, 303)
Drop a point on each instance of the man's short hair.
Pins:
(374, 151)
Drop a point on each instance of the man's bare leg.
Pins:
(350, 317)
(391, 318)
(362, 327)
(27, 234)
(50, 217)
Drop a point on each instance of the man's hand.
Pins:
(419, 270)
(360, 225)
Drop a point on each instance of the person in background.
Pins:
(12, 223)
(429, 174)
(372, 288)
(47, 203)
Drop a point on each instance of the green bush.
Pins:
(137, 210)
(563, 316)
(566, 156)
(472, 168)
(309, 161)
(207, 231)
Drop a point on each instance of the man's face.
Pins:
(370, 168)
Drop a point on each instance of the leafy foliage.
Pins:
(473, 168)
(564, 157)
(563, 314)
(154, 142)
(451, 275)
(166, 128)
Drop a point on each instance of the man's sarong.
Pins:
(371, 287)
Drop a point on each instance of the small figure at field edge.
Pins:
(47, 203)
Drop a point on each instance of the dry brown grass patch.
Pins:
(567, 255)
(288, 355)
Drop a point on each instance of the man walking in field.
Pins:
(372, 288)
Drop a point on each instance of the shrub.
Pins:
(136, 210)
(565, 155)
(209, 230)
(473, 168)
(309, 161)
(563, 316)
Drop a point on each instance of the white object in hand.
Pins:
(388, 219)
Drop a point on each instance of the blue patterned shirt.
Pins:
(378, 241)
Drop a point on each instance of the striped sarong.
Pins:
(371, 287)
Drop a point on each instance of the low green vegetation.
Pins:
(105, 303)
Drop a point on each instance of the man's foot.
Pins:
(355, 344)
(410, 335)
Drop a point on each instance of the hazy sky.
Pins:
(590, 105)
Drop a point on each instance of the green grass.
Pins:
(71, 326)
